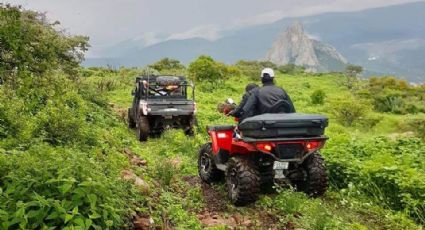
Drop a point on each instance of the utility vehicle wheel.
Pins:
(131, 122)
(315, 182)
(242, 180)
(143, 128)
(189, 132)
(206, 166)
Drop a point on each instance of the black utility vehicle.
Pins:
(162, 102)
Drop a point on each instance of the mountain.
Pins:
(386, 40)
(295, 47)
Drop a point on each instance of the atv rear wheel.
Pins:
(131, 122)
(315, 182)
(143, 128)
(242, 180)
(206, 166)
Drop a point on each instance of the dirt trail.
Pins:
(218, 211)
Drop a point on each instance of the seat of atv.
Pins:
(220, 127)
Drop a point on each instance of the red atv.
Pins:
(269, 148)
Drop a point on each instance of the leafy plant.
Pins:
(318, 97)
(349, 111)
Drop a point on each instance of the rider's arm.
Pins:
(250, 103)
(237, 112)
(291, 104)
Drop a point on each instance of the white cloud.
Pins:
(149, 38)
(209, 32)
(112, 21)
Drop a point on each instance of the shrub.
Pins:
(392, 103)
(168, 66)
(164, 172)
(291, 69)
(252, 69)
(418, 126)
(47, 187)
(30, 45)
(349, 111)
(206, 70)
(386, 171)
(318, 97)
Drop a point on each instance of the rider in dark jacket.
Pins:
(269, 98)
(238, 112)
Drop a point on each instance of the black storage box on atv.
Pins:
(284, 125)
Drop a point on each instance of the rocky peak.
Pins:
(294, 46)
(296, 28)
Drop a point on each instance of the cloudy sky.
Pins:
(108, 22)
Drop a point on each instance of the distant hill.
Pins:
(294, 47)
(387, 40)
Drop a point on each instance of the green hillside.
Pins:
(374, 164)
(68, 160)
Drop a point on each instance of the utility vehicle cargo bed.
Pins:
(284, 125)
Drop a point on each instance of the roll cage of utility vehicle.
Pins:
(161, 102)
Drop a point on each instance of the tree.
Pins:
(205, 69)
(30, 45)
(168, 66)
(351, 75)
(253, 69)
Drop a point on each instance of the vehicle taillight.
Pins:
(144, 108)
(265, 147)
(312, 146)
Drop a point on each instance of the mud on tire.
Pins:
(131, 122)
(143, 128)
(206, 166)
(242, 181)
(267, 179)
(316, 181)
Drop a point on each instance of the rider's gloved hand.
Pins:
(231, 113)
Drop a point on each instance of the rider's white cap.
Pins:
(268, 71)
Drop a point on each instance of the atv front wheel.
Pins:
(131, 122)
(206, 166)
(315, 182)
(143, 128)
(242, 180)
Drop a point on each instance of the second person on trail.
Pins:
(238, 112)
(269, 98)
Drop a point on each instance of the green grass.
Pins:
(337, 210)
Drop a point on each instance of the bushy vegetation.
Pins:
(63, 137)
(318, 97)
(30, 44)
(208, 71)
(252, 69)
(391, 95)
(169, 66)
(60, 147)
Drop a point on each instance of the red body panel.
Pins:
(224, 140)
(221, 140)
